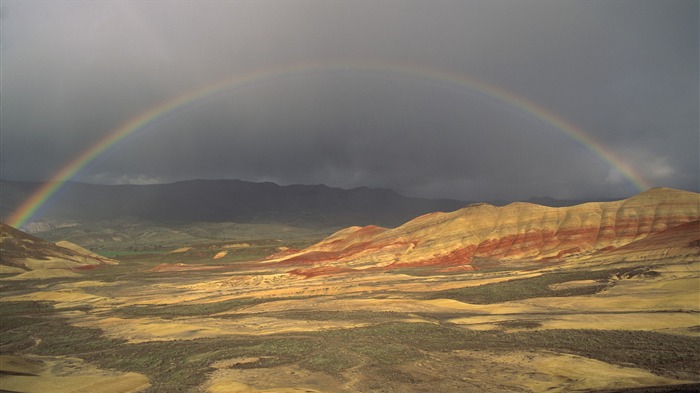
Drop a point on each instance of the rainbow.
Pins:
(40, 197)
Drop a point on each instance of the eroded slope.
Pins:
(38, 258)
(516, 232)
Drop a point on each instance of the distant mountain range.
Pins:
(227, 200)
(233, 201)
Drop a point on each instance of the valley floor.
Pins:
(233, 326)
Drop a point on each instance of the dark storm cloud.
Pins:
(625, 72)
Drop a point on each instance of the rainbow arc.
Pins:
(41, 196)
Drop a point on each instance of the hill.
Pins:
(36, 258)
(516, 232)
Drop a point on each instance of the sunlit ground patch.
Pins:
(61, 374)
(137, 330)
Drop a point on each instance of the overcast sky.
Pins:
(624, 73)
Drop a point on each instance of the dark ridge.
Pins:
(227, 201)
(691, 387)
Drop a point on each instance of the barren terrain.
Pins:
(253, 319)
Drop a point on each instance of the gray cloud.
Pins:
(624, 72)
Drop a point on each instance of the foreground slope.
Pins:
(516, 232)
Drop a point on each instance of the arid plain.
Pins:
(521, 298)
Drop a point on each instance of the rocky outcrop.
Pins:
(516, 232)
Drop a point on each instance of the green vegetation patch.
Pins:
(394, 343)
(379, 349)
(185, 310)
(47, 335)
(359, 316)
(533, 287)
(330, 360)
(664, 354)
(390, 353)
(23, 308)
(23, 321)
(194, 309)
(178, 366)
(519, 324)
(172, 366)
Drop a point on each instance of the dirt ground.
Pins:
(249, 331)
(64, 374)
